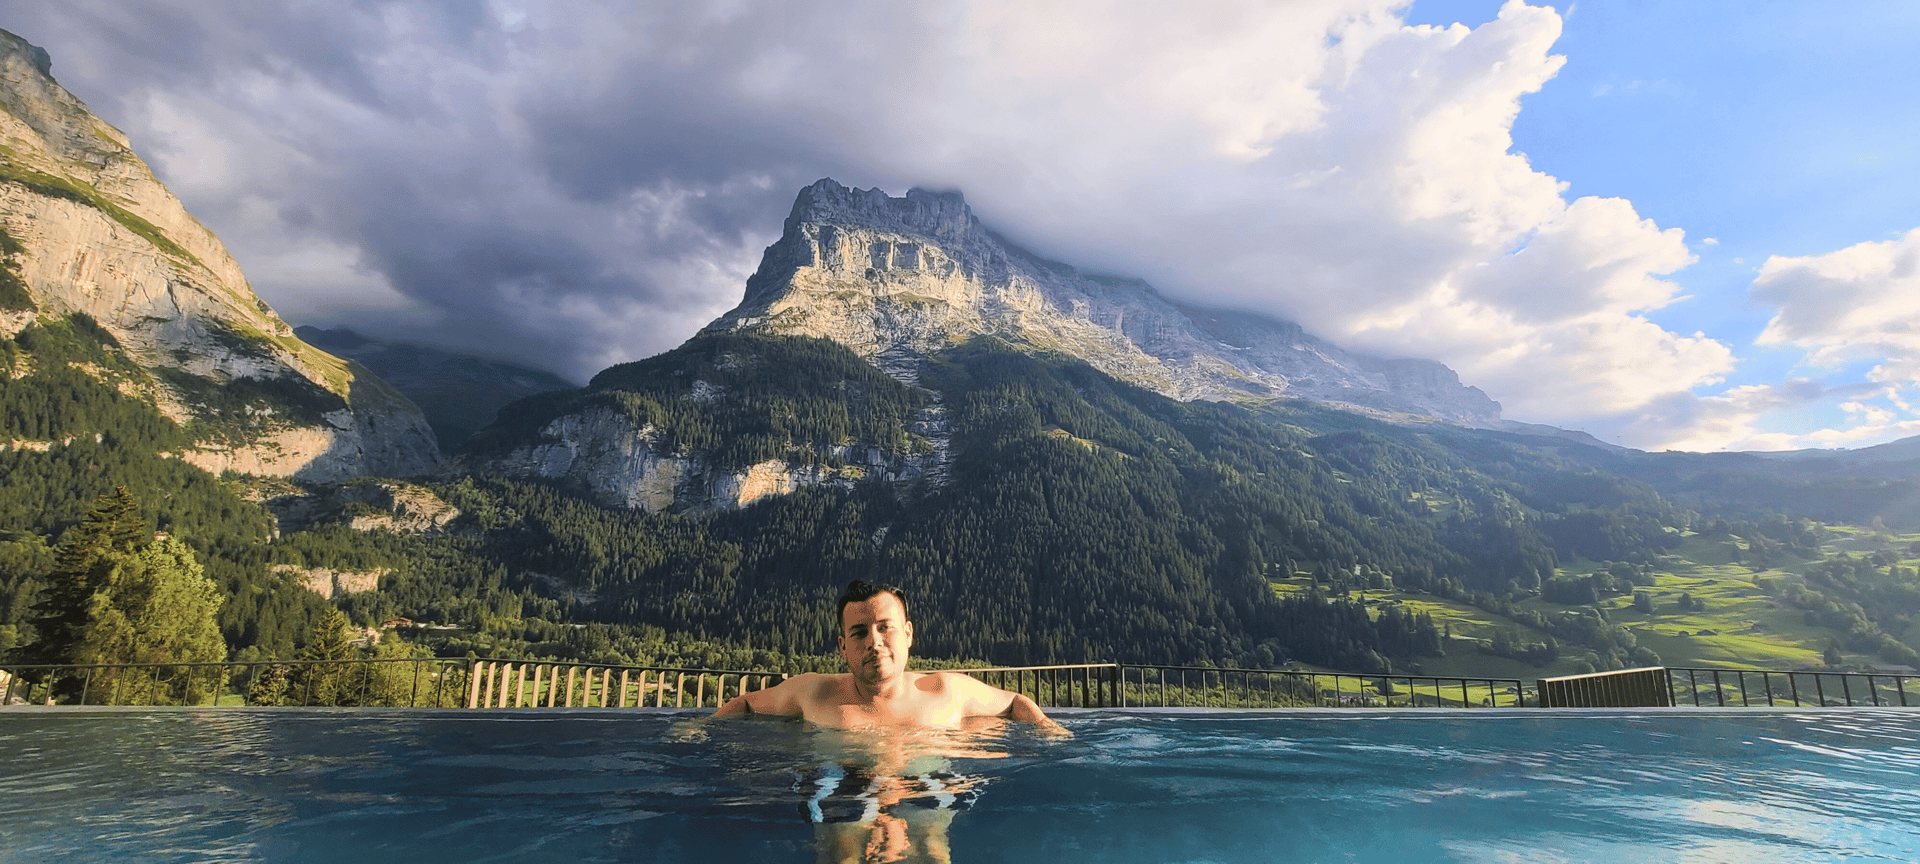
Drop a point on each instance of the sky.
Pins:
(1678, 225)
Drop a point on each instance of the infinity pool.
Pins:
(422, 786)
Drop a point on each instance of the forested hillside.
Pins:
(1080, 519)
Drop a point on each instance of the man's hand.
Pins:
(689, 731)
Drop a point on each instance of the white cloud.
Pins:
(597, 178)
(1726, 421)
(1859, 303)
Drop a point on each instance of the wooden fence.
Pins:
(536, 684)
(1651, 687)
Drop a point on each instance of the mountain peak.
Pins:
(898, 279)
(921, 211)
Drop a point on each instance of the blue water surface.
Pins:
(418, 786)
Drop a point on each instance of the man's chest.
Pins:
(924, 709)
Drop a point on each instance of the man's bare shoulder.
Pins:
(947, 681)
(812, 685)
(978, 696)
(790, 697)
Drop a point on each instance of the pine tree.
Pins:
(160, 609)
(116, 598)
(85, 564)
(321, 682)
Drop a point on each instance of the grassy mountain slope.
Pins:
(1080, 519)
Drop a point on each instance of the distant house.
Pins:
(392, 623)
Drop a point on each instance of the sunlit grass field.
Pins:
(1737, 625)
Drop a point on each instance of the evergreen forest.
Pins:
(1077, 519)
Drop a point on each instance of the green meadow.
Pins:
(1736, 618)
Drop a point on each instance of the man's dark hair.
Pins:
(860, 590)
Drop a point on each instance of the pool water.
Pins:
(421, 786)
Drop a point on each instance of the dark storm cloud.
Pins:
(532, 193)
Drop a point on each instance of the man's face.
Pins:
(874, 637)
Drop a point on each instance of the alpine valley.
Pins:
(1056, 465)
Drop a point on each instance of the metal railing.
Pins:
(1077, 685)
(1133, 685)
(490, 683)
(1206, 686)
(1763, 688)
(420, 682)
(546, 684)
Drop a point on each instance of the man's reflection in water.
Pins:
(891, 795)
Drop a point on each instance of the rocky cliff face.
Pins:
(97, 235)
(897, 279)
(719, 423)
(603, 454)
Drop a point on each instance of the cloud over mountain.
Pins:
(598, 179)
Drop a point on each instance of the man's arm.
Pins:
(985, 700)
(787, 697)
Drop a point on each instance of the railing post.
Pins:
(476, 674)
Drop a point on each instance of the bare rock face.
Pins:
(99, 236)
(602, 453)
(326, 582)
(896, 279)
(365, 504)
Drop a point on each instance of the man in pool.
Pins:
(875, 636)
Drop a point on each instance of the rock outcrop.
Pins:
(897, 279)
(93, 233)
(327, 582)
(602, 453)
(364, 505)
